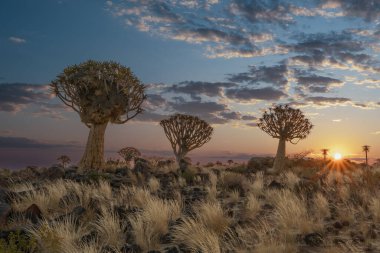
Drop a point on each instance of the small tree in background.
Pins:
(325, 152)
(366, 150)
(100, 92)
(186, 133)
(230, 162)
(129, 154)
(64, 160)
(286, 124)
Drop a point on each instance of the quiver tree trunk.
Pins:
(279, 161)
(93, 157)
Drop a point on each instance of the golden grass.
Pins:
(196, 236)
(212, 216)
(55, 236)
(152, 223)
(154, 184)
(110, 229)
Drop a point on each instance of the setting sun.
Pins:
(337, 156)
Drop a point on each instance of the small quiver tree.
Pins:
(186, 133)
(286, 124)
(129, 154)
(64, 160)
(101, 93)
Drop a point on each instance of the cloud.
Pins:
(276, 75)
(22, 142)
(17, 40)
(331, 50)
(194, 89)
(249, 94)
(328, 101)
(16, 96)
(255, 11)
(369, 10)
(317, 84)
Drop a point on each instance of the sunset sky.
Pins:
(224, 61)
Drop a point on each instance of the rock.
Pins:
(172, 250)
(89, 237)
(267, 207)
(313, 239)
(131, 248)
(357, 237)
(4, 195)
(33, 213)
(108, 249)
(338, 225)
(275, 185)
(5, 210)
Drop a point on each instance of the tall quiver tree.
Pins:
(186, 133)
(325, 152)
(366, 150)
(286, 124)
(101, 93)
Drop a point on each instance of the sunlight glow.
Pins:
(337, 156)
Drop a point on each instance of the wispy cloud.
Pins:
(17, 40)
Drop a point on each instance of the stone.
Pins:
(338, 225)
(313, 239)
(5, 210)
(4, 195)
(275, 185)
(33, 213)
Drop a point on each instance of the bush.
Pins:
(259, 163)
(18, 242)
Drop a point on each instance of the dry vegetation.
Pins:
(223, 208)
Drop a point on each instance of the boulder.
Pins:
(33, 213)
(5, 210)
(313, 239)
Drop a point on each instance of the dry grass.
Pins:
(374, 208)
(196, 236)
(291, 179)
(110, 229)
(46, 198)
(252, 207)
(234, 196)
(237, 215)
(291, 213)
(152, 223)
(213, 217)
(257, 186)
(56, 236)
(154, 184)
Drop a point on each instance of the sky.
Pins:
(225, 61)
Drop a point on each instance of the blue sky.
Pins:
(224, 61)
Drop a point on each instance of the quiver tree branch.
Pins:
(286, 124)
(186, 133)
(101, 93)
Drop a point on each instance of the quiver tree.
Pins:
(64, 160)
(286, 124)
(100, 92)
(186, 133)
(129, 154)
(325, 152)
(366, 150)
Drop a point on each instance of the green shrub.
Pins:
(18, 243)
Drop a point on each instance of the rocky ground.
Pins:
(213, 208)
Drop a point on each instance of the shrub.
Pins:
(18, 242)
